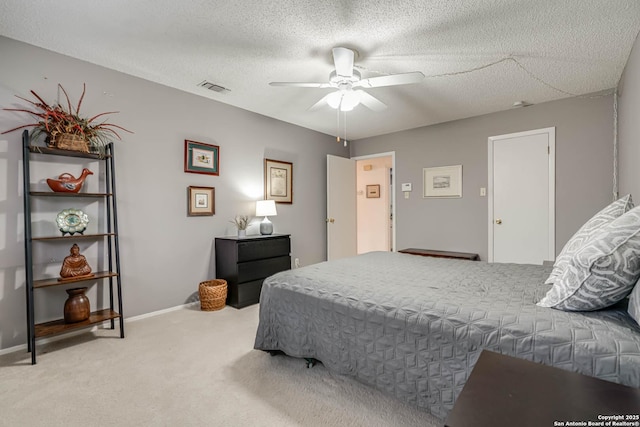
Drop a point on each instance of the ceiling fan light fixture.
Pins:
(345, 77)
(334, 99)
(349, 101)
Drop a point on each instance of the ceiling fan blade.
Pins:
(319, 104)
(370, 101)
(392, 80)
(300, 84)
(343, 60)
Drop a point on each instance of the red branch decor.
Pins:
(55, 119)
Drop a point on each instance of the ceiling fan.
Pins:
(347, 80)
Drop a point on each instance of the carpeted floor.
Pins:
(185, 368)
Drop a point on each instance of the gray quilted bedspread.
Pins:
(414, 326)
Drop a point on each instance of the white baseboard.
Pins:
(23, 347)
(159, 312)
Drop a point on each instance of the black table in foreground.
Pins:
(506, 391)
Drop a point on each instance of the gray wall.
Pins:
(629, 125)
(584, 158)
(165, 254)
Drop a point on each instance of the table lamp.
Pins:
(266, 208)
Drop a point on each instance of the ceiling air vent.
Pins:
(212, 86)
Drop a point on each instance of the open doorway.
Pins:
(375, 203)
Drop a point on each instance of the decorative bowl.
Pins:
(72, 221)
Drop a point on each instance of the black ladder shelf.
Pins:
(110, 235)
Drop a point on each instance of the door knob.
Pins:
(331, 220)
(498, 221)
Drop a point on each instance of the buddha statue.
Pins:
(75, 265)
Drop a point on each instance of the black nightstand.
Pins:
(244, 262)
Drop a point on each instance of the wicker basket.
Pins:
(68, 141)
(213, 294)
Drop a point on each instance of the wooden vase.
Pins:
(76, 307)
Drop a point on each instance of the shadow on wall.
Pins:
(195, 296)
(13, 330)
(13, 317)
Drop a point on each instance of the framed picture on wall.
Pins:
(443, 181)
(201, 201)
(278, 181)
(201, 158)
(373, 191)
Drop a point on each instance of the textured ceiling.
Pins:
(557, 48)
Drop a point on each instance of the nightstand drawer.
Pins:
(257, 249)
(252, 270)
(244, 294)
(244, 262)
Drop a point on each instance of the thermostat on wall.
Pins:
(406, 186)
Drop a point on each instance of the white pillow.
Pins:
(591, 227)
(603, 270)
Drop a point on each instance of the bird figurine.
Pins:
(67, 183)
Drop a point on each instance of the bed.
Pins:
(414, 326)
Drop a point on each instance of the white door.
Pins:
(341, 207)
(522, 197)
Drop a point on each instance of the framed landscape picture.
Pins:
(201, 158)
(444, 181)
(201, 201)
(278, 181)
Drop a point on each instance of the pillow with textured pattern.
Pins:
(591, 227)
(634, 304)
(603, 270)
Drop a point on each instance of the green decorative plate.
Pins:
(72, 221)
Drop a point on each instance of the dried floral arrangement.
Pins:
(55, 120)
(241, 222)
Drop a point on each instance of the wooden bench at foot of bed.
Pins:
(441, 254)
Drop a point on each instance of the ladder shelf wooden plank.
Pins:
(59, 326)
(44, 283)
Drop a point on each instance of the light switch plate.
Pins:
(406, 186)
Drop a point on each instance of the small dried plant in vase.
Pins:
(63, 126)
(241, 222)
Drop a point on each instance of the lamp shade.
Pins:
(266, 208)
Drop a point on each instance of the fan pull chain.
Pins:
(345, 128)
(338, 125)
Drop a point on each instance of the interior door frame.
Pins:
(393, 190)
(551, 132)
